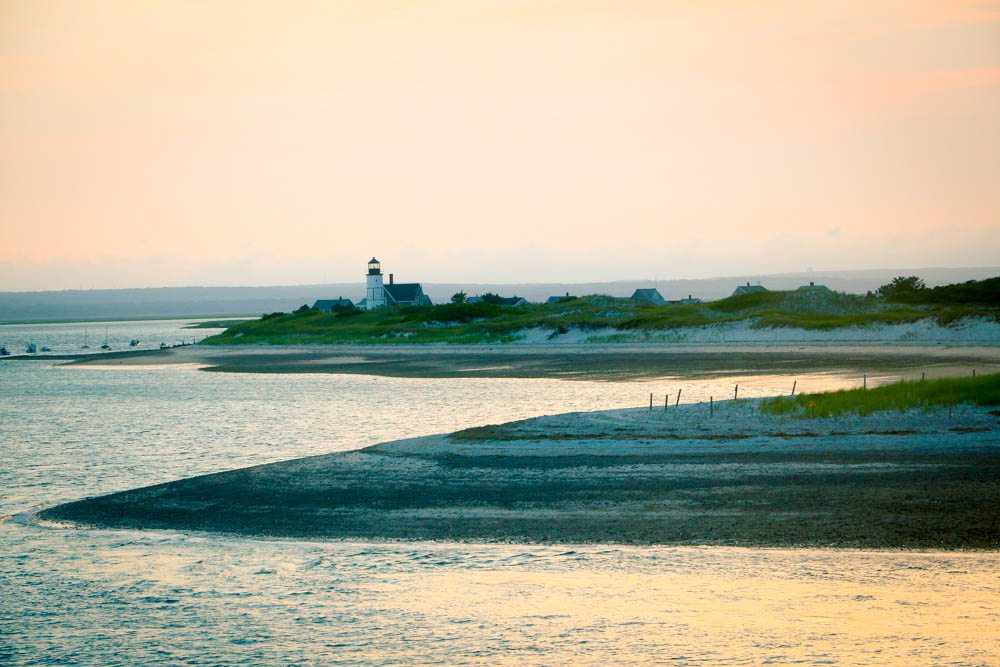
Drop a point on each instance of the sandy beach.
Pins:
(727, 475)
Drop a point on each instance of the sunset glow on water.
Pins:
(210, 599)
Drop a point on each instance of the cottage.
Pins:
(651, 296)
(499, 300)
(813, 287)
(690, 300)
(331, 305)
(559, 299)
(749, 289)
(378, 294)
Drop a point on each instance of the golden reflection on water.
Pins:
(759, 606)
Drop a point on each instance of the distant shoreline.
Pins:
(611, 362)
(683, 476)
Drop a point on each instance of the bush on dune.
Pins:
(922, 394)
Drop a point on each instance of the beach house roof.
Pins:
(513, 301)
(329, 305)
(748, 289)
(814, 287)
(406, 294)
(648, 295)
(559, 299)
(689, 300)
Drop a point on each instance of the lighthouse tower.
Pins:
(375, 295)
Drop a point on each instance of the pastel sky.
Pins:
(175, 142)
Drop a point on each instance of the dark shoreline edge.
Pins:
(583, 362)
(620, 477)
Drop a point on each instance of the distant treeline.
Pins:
(912, 290)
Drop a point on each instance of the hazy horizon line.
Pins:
(733, 276)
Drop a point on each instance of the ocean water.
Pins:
(73, 596)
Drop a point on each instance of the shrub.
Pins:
(982, 390)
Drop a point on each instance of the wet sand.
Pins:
(681, 476)
(571, 362)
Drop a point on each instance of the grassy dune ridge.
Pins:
(488, 323)
(923, 394)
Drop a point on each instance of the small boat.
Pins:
(46, 349)
(30, 348)
(105, 346)
(3, 351)
(134, 342)
(163, 346)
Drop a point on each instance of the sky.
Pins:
(184, 142)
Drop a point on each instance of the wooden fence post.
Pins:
(678, 398)
(793, 387)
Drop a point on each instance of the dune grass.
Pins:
(983, 390)
(488, 323)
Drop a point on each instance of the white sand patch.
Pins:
(980, 330)
(731, 427)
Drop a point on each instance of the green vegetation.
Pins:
(912, 290)
(924, 394)
(488, 322)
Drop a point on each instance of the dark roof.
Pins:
(652, 295)
(749, 289)
(559, 299)
(329, 304)
(512, 300)
(404, 293)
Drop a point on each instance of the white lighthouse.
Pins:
(375, 295)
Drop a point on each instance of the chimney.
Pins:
(567, 293)
(748, 283)
(390, 279)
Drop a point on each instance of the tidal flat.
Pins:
(610, 362)
(724, 474)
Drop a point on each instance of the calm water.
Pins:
(70, 337)
(90, 597)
